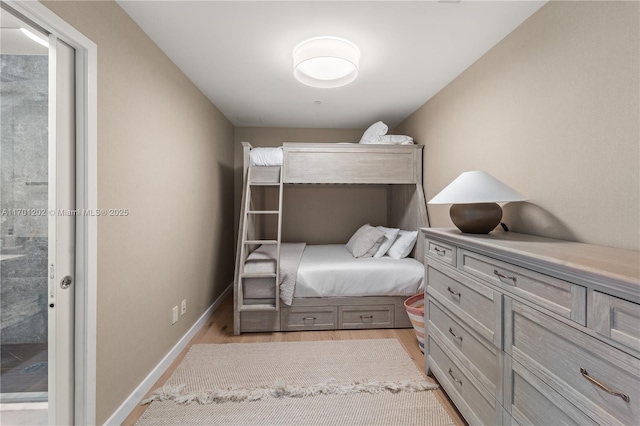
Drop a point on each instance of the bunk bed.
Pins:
(268, 270)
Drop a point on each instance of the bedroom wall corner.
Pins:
(552, 110)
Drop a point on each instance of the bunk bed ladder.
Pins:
(247, 242)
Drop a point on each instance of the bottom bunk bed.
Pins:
(323, 287)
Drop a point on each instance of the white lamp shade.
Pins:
(476, 187)
(326, 62)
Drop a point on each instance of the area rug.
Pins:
(351, 382)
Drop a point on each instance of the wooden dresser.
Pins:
(529, 330)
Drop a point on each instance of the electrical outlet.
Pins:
(174, 315)
(184, 307)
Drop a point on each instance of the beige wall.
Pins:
(166, 154)
(318, 215)
(553, 111)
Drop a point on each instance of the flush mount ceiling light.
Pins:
(326, 62)
(34, 37)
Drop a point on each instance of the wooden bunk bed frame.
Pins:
(398, 167)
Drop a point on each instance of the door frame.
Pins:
(86, 276)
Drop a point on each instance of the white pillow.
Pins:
(377, 133)
(403, 245)
(373, 133)
(365, 242)
(390, 235)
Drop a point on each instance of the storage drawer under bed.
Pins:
(346, 317)
(353, 317)
(309, 318)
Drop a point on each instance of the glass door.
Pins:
(24, 103)
(36, 242)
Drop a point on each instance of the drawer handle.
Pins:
(504, 277)
(454, 335)
(454, 378)
(453, 293)
(586, 375)
(309, 319)
(440, 252)
(364, 317)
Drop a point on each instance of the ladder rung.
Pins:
(263, 212)
(254, 242)
(264, 183)
(259, 275)
(260, 307)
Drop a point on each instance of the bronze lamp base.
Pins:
(479, 218)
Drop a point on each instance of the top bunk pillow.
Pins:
(390, 235)
(377, 134)
(403, 244)
(365, 242)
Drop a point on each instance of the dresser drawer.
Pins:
(561, 297)
(441, 251)
(479, 356)
(532, 402)
(571, 362)
(309, 318)
(475, 303)
(351, 317)
(616, 319)
(475, 403)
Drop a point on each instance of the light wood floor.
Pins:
(219, 329)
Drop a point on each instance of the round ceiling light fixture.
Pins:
(326, 62)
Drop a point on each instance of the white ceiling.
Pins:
(239, 53)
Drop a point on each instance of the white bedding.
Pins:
(266, 156)
(331, 271)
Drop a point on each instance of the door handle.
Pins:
(66, 282)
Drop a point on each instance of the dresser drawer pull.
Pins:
(440, 252)
(453, 293)
(309, 319)
(454, 335)
(365, 317)
(601, 386)
(504, 277)
(454, 378)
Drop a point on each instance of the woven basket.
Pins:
(415, 309)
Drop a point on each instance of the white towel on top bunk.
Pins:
(377, 134)
(266, 156)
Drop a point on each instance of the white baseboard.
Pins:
(119, 416)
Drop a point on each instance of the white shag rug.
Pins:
(354, 382)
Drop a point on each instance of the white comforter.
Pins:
(331, 271)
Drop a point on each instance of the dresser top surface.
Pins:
(614, 268)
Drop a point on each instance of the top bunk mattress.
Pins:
(331, 271)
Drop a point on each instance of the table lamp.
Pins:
(473, 197)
